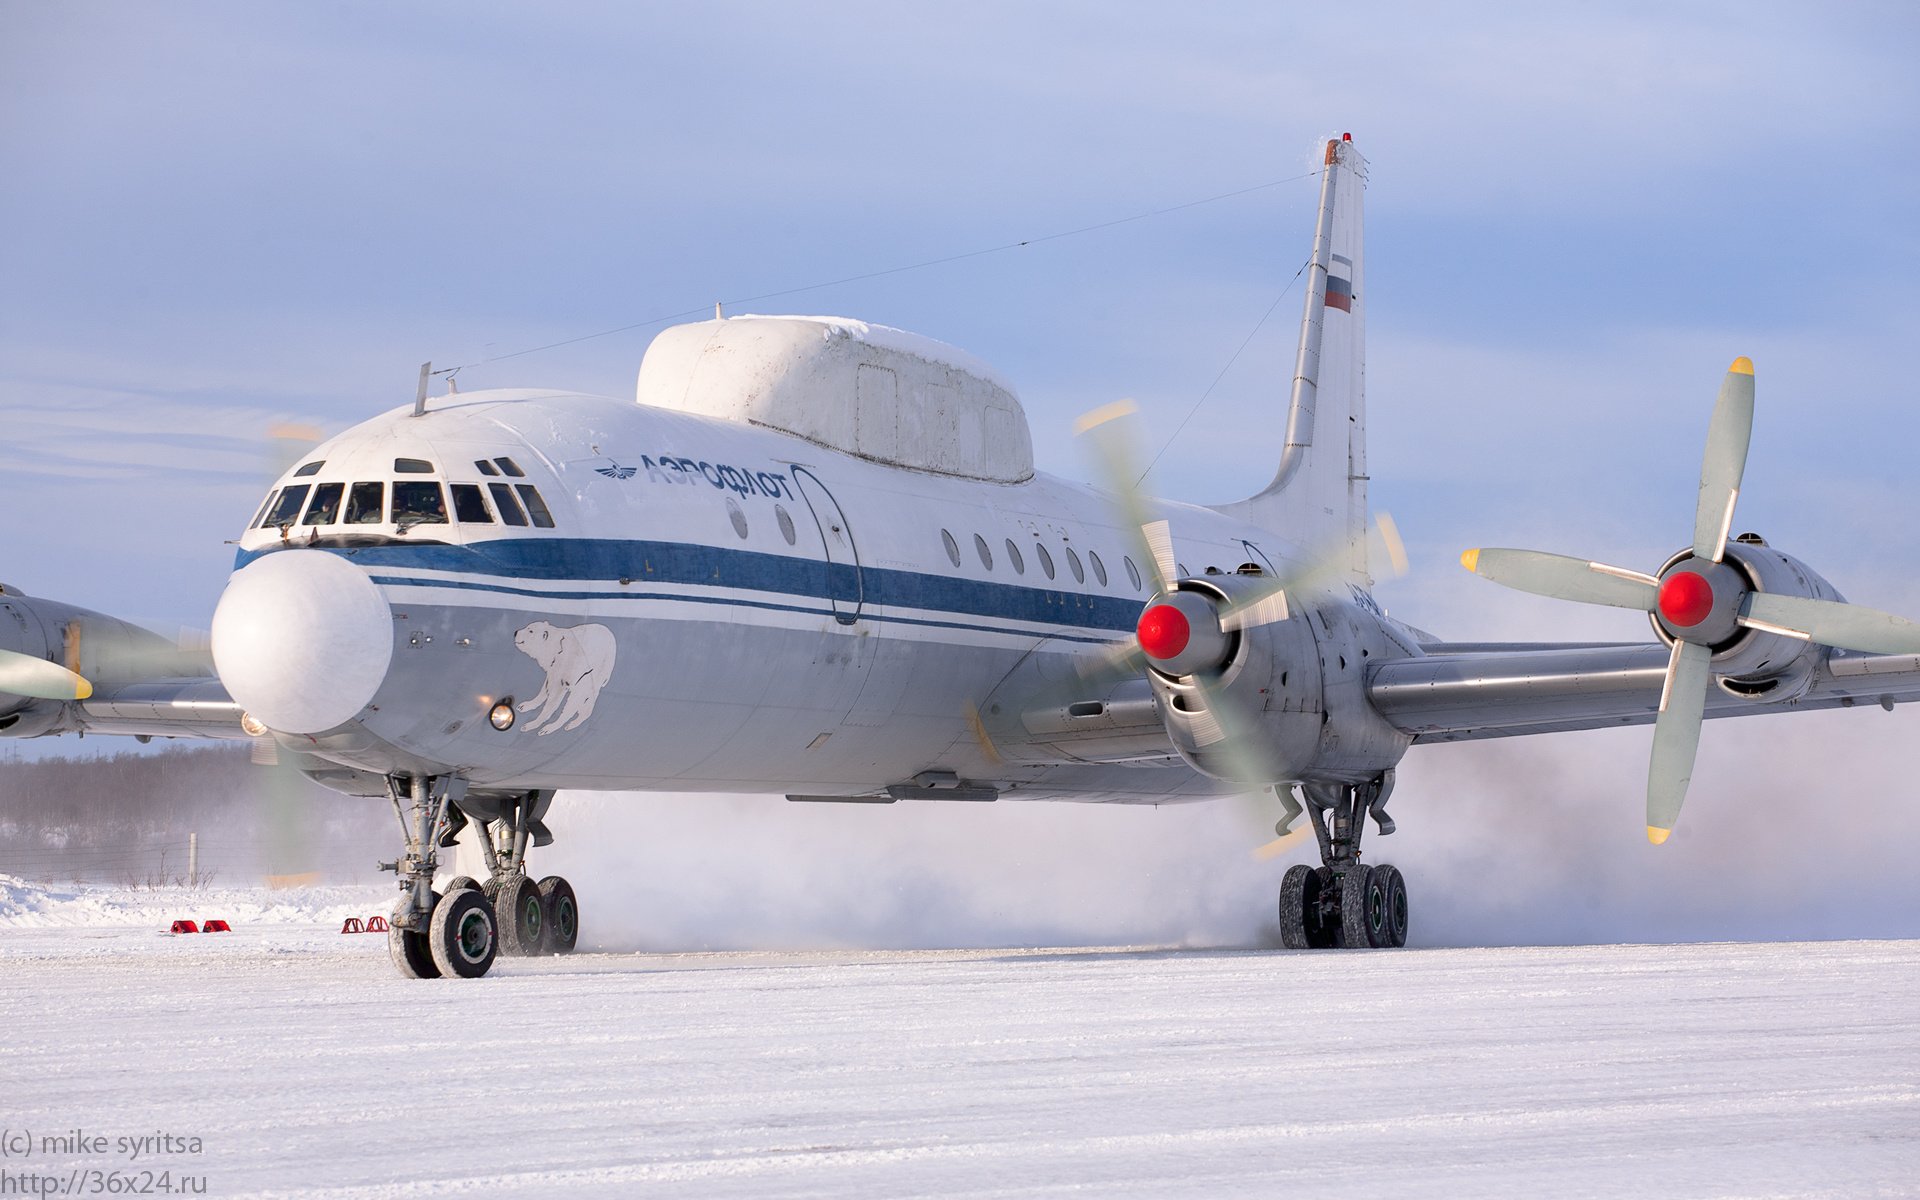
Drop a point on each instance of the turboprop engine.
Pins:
(1254, 690)
(1751, 659)
(1734, 610)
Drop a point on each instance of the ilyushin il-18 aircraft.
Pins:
(813, 557)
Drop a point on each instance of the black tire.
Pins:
(409, 950)
(1299, 907)
(1363, 909)
(522, 916)
(463, 935)
(1395, 886)
(563, 915)
(458, 882)
(1323, 928)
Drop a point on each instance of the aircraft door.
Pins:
(845, 588)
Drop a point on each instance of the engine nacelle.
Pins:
(1753, 664)
(1298, 686)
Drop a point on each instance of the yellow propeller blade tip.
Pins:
(1105, 413)
(82, 690)
(1657, 835)
(1741, 366)
(1470, 559)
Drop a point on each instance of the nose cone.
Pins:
(302, 640)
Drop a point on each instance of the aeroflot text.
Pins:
(738, 480)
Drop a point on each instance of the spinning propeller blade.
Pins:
(1847, 626)
(25, 675)
(1563, 578)
(1725, 461)
(1220, 727)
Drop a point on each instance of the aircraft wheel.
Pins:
(409, 950)
(458, 882)
(522, 917)
(563, 914)
(1395, 886)
(1299, 907)
(1363, 909)
(463, 935)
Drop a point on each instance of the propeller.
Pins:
(1699, 601)
(25, 675)
(1187, 634)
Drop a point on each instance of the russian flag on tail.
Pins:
(1340, 288)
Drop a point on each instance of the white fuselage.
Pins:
(715, 606)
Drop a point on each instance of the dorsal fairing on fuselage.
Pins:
(867, 390)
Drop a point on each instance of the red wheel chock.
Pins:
(376, 924)
(184, 927)
(352, 925)
(215, 926)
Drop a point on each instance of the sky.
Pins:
(222, 217)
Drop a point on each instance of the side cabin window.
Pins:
(366, 504)
(417, 503)
(325, 509)
(536, 507)
(469, 506)
(510, 511)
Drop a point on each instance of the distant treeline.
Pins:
(126, 819)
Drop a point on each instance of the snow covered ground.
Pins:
(306, 1068)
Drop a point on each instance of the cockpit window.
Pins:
(503, 500)
(262, 514)
(306, 469)
(511, 467)
(469, 506)
(486, 468)
(412, 466)
(325, 508)
(536, 507)
(419, 504)
(287, 508)
(366, 503)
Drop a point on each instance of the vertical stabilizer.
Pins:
(1318, 496)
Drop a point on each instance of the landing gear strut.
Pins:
(1344, 902)
(535, 918)
(460, 931)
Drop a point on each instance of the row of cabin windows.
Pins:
(1045, 558)
(415, 502)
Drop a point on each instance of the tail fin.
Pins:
(1318, 496)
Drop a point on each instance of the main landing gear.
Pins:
(1344, 902)
(460, 930)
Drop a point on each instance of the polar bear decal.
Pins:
(578, 663)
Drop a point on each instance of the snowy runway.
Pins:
(308, 1069)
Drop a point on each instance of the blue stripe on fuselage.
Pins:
(606, 560)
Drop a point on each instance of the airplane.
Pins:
(813, 557)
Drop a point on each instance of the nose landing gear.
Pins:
(459, 932)
(1344, 902)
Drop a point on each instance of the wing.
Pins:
(1458, 693)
